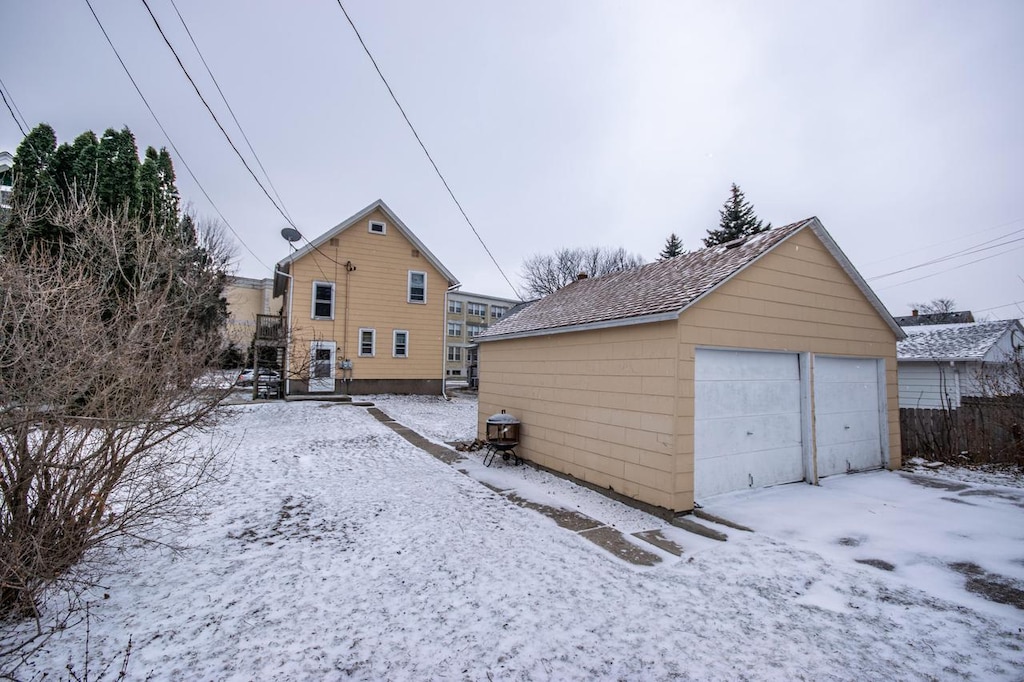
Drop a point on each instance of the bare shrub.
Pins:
(104, 335)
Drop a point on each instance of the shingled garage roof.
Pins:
(659, 291)
(956, 342)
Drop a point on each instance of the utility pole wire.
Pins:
(177, 153)
(230, 110)
(424, 148)
(12, 107)
(216, 120)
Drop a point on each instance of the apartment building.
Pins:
(469, 314)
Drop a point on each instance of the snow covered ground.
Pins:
(335, 549)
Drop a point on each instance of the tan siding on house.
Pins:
(596, 405)
(796, 298)
(378, 299)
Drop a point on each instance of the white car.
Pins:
(266, 375)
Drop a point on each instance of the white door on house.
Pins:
(847, 415)
(747, 420)
(321, 366)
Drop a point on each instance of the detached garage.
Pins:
(755, 363)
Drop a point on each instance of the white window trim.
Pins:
(370, 224)
(394, 343)
(481, 307)
(373, 342)
(312, 307)
(408, 287)
(458, 326)
(458, 352)
(456, 304)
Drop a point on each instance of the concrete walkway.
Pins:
(607, 538)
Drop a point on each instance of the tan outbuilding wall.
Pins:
(599, 406)
(246, 297)
(615, 407)
(372, 296)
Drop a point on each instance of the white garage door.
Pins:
(846, 415)
(747, 421)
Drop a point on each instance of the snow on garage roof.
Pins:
(660, 290)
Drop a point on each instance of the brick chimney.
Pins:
(583, 275)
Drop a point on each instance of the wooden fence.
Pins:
(981, 430)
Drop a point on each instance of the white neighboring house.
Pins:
(940, 364)
(6, 164)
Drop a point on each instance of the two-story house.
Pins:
(6, 178)
(365, 302)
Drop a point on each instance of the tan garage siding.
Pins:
(796, 298)
(597, 405)
(378, 300)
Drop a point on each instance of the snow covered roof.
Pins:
(661, 290)
(952, 342)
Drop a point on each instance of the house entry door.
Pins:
(321, 366)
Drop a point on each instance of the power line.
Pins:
(946, 241)
(228, 105)
(971, 250)
(955, 267)
(12, 107)
(169, 140)
(424, 147)
(996, 307)
(212, 114)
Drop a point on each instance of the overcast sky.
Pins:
(898, 123)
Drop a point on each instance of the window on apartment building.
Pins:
(454, 353)
(478, 309)
(454, 306)
(323, 300)
(378, 227)
(474, 329)
(498, 311)
(454, 328)
(400, 344)
(367, 343)
(417, 287)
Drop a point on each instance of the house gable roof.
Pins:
(661, 290)
(284, 265)
(956, 342)
(928, 319)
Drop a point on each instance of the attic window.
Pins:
(378, 227)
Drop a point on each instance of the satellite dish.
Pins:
(291, 234)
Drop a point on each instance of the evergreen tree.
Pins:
(117, 171)
(737, 220)
(32, 180)
(157, 191)
(673, 247)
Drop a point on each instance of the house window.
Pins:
(400, 347)
(478, 309)
(378, 227)
(474, 329)
(498, 311)
(454, 306)
(417, 287)
(454, 353)
(367, 343)
(323, 300)
(454, 328)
